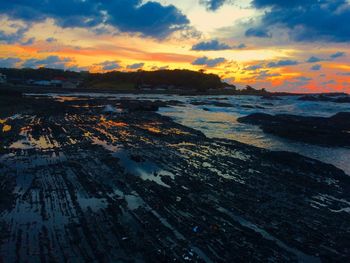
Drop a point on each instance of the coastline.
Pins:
(137, 178)
(41, 90)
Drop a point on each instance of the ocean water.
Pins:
(221, 122)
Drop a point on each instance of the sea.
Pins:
(221, 122)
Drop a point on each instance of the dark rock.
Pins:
(120, 193)
(327, 98)
(332, 131)
(132, 105)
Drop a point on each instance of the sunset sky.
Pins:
(280, 45)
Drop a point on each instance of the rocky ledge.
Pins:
(332, 131)
(343, 98)
(79, 184)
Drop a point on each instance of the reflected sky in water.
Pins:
(221, 122)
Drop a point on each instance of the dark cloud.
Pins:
(294, 84)
(308, 20)
(109, 65)
(240, 46)
(316, 67)
(51, 40)
(314, 59)
(210, 45)
(9, 62)
(282, 63)
(329, 82)
(280, 3)
(149, 19)
(29, 42)
(337, 55)
(266, 74)
(205, 61)
(303, 79)
(258, 32)
(136, 66)
(343, 74)
(213, 5)
(254, 67)
(48, 62)
(12, 38)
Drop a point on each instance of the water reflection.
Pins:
(219, 121)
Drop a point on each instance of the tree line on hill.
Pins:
(169, 79)
(39, 74)
(176, 79)
(181, 79)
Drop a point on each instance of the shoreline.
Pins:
(136, 185)
(42, 90)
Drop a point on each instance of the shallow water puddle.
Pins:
(94, 204)
(6, 128)
(147, 170)
(134, 201)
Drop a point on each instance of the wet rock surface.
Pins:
(83, 185)
(327, 98)
(332, 131)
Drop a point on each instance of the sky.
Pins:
(279, 45)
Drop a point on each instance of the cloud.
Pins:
(213, 5)
(136, 66)
(254, 67)
(282, 63)
(266, 74)
(51, 40)
(308, 20)
(9, 62)
(295, 84)
(29, 42)
(150, 18)
(258, 32)
(135, 16)
(48, 62)
(109, 65)
(208, 62)
(337, 55)
(329, 82)
(76, 68)
(316, 67)
(343, 74)
(240, 46)
(12, 38)
(314, 59)
(210, 45)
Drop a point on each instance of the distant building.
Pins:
(3, 78)
(57, 82)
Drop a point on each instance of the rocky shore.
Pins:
(107, 180)
(336, 98)
(332, 131)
